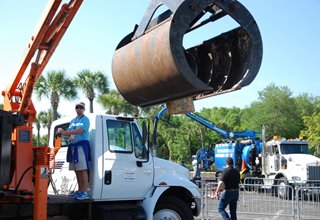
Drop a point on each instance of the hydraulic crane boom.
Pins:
(209, 124)
(227, 134)
(52, 26)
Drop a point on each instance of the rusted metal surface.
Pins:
(180, 106)
(151, 65)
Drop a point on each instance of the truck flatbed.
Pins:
(63, 206)
(58, 205)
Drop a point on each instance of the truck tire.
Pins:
(283, 191)
(172, 208)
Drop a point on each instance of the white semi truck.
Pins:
(289, 162)
(125, 179)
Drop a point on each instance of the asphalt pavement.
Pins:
(216, 216)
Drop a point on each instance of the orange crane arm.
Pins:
(52, 26)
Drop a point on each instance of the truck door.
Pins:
(273, 158)
(124, 177)
(63, 180)
(276, 157)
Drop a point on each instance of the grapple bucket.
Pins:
(151, 65)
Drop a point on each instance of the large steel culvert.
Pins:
(151, 65)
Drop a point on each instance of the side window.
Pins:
(64, 141)
(140, 150)
(119, 136)
(275, 149)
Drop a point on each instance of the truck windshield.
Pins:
(294, 149)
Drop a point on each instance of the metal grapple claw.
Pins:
(151, 65)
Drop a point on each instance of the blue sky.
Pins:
(290, 32)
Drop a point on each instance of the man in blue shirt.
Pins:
(78, 154)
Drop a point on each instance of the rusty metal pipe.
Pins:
(151, 65)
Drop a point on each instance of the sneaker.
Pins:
(82, 196)
(73, 194)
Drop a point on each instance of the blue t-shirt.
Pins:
(82, 122)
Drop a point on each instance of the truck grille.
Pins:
(313, 172)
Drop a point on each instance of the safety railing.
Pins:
(258, 197)
(308, 202)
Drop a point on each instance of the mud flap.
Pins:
(151, 66)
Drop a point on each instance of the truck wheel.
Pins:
(172, 208)
(283, 191)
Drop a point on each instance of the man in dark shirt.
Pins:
(229, 181)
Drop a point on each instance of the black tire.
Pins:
(283, 191)
(172, 208)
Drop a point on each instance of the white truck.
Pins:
(289, 162)
(125, 179)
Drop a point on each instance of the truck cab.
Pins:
(292, 159)
(290, 163)
(122, 169)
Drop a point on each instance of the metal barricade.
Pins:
(210, 203)
(308, 202)
(263, 200)
(256, 199)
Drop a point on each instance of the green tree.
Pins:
(276, 109)
(195, 135)
(170, 138)
(43, 141)
(305, 104)
(55, 86)
(89, 81)
(312, 131)
(224, 118)
(115, 104)
(45, 119)
(179, 137)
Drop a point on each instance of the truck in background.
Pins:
(281, 162)
(289, 162)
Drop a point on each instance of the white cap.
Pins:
(81, 104)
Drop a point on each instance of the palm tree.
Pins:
(38, 126)
(56, 85)
(88, 81)
(116, 104)
(44, 119)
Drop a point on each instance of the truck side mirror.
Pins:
(144, 141)
(144, 132)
